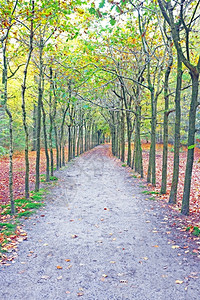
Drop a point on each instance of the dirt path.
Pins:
(98, 238)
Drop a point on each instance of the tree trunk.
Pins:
(45, 144)
(24, 107)
(151, 177)
(81, 138)
(12, 203)
(137, 163)
(40, 94)
(74, 142)
(85, 126)
(69, 143)
(173, 192)
(57, 148)
(191, 143)
(34, 128)
(5, 95)
(78, 141)
(165, 127)
(122, 137)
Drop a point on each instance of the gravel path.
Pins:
(99, 238)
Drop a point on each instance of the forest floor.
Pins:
(99, 237)
(193, 219)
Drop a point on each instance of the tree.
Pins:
(177, 15)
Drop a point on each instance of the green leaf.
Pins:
(112, 21)
(191, 147)
(101, 5)
(92, 11)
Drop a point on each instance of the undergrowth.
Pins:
(24, 208)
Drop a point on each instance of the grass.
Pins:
(152, 198)
(51, 178)
(150, 192)
(26, 213)
(194, 230)
(134, 176)
(33, 205)
(24, 208)
(8, 225)
(124, 165)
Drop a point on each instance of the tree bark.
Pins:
(34, 128)
(165, 124)
(191, 143)
(24, 107)
(174, 186)
(45, 143)
(5, 94)
(38, 133)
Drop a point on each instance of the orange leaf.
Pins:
(59, 267)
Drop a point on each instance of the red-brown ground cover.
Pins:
(195, 186)
(18, 174)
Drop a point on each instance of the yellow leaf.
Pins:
(175, 247)
(69, 267)
(179, 281)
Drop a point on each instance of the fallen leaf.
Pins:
(67, 260)
(156, 246)
(179, 281)
(69, 267)
(112, 262)
(104, 275)
(80, 294)
(145, 258)
(59, 277)
(195, 251)
(175, 247)
(74, 236)
(59, 267)
(123, 281)
(45, 277)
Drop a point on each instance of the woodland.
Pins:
(75, 74)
